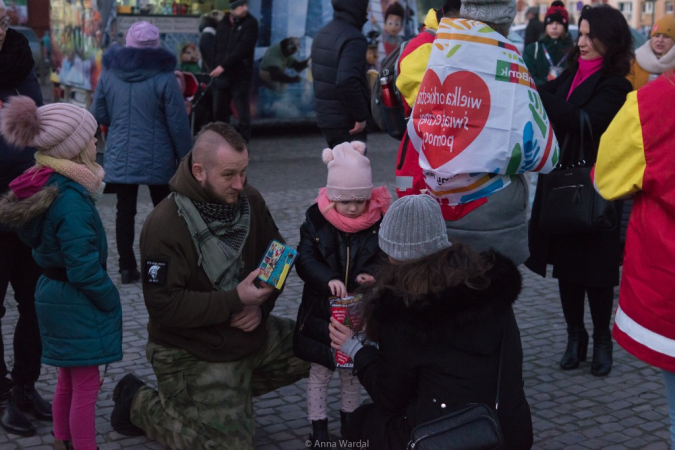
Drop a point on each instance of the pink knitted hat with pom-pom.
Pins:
(349, 175)
(60, 130)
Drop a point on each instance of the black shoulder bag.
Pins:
(570, 203)
(470, 427)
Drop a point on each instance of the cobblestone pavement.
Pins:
(570, 409)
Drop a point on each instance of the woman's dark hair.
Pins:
(414, 281)
(607, 26)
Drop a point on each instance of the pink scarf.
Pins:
(30, 182)
(377, 207)
(587, 67)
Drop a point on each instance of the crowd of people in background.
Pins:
(436, 270)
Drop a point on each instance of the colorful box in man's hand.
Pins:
(276, 264)
(349, 311)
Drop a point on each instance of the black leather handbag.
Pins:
(470, 427)
(570, 203)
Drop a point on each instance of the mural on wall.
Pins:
(282, 86)
(17, 11)
(81, 30)
(77, 37)
(299, 20)
(287, 28)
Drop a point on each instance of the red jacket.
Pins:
(636, 157)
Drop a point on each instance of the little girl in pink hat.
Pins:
(338, 252)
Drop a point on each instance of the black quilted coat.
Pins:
(322, 256)
(443, 353)
(339, 52)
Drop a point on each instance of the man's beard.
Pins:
(215, 197)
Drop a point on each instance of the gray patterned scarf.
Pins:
(218, 233)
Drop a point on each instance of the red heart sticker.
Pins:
(449, 116)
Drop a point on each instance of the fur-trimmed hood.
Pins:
(138, 64)
(456, 311)
(15, 213)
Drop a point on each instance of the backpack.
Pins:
(391, 120)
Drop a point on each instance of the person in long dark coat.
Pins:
(594, 83)
(17, 267)
(441, 316)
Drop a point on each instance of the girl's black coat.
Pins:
(322, 256)
(442, 354)
(589, 259)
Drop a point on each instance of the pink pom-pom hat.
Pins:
(349, 174)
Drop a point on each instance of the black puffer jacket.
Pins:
(339, 67)
(443, 353)
(235, 47)
(322, 256)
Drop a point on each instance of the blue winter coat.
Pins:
(81, 319)
(138, 98)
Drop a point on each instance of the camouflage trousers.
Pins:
(206, 405)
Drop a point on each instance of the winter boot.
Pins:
(27, 399)
(345, 422)
(577, 346)
(319, 433)
(61, 445)
(123, 396)
(130, 276)
(602, 353)
(13, 420)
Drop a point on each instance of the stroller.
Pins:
(196, 90)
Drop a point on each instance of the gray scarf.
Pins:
(218, 233)
(647, 59)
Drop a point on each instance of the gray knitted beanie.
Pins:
(494, 11)
(413, 228)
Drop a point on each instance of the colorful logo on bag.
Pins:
(511, 72)
(449, 116)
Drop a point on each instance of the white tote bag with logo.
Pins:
(478, 119)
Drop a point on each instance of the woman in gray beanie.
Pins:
(440, 314)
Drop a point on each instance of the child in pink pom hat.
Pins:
(51, 208)
(338, 252)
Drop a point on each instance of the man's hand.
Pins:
(364, 278)
(250, 294)
(217, 71)
(358, 127)
(337, 288)
(247, 319)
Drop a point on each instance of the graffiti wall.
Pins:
(282, 85)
